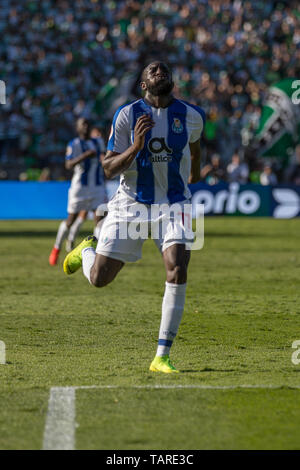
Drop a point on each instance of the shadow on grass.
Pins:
(206, 369)
(237, 234)
(36, 234)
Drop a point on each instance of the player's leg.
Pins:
(176, 259)
(74, 229)
(61, 235)
(102, 259)
(99, 269)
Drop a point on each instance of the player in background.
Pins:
(155, 146)
(95, 133)
(87, 191)
(74, 229)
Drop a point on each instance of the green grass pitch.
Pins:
(241, 317)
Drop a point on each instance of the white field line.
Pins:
(59, 431)
(190, 386)
(60, 426)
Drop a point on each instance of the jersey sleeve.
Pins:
(70, 150)
(197, 125)
(119, 134)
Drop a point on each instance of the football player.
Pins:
(155, 146)
(87, 190)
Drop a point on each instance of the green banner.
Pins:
(279, 129)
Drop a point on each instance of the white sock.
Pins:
(88, 259)
(172, 310)
(61, 234)
(75, 228)
(97, 229)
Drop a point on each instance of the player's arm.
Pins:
(195, 162)
(71, 162)
(115, 163)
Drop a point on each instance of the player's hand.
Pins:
(143, 125)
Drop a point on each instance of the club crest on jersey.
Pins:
(177, 126)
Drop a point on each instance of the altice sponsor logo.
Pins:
(161, 158)
(2, 92)
(160, 152)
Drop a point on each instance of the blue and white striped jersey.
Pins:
(88, 175)
(160, 171)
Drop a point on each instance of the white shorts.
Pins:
(123, 233)
(101, 209)
(89, 203)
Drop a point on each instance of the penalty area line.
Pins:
(59, 433)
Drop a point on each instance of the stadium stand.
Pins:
(83, 58)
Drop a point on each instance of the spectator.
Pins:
(237, 171)
(293, 171)
(57, 57)
(213, 172)
(268, 177)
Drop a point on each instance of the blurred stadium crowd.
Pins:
(62, 59)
